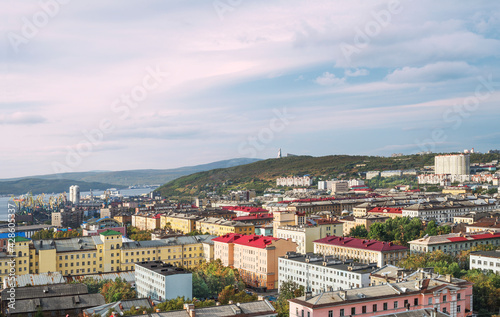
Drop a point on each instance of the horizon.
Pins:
(125, 85)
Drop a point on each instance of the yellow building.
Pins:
(180, 222)
(220, 227)
(17, 264)
(146, 221)
(106, 253)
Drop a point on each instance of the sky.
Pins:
(117, 85)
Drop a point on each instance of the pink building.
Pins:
(446, 294)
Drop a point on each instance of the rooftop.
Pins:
(248, 240)
(162, 268)
(456, 237)
(363, 244)
(330, 262)
(489, 254)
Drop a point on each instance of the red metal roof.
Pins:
(363, 244)
(387, 210)
(457, 239)
(485, 236)
(252, 240)
(245, 209)
(253, 217)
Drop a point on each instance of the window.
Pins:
(385, 306)
(415, 301)
(429, 301)
(395, 304)
(374, 307)
(363, 310)
(330, 313)
(458, 296)
(444, 298)
(458, 308)
(342, 312)
(444, 310)
(353, 310)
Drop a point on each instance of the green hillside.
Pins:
(262, 174)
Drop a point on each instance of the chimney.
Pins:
(448, 278)
(343, 294)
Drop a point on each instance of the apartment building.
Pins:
(443, 294)
(304, 181)
(103, 253)
(161, 281)
(67, 218)
(220, 227)
(17, 255)
(386, 212)
(318, 273)
(447, 210)
(146, 221)
(485, 260)
(485, 224)
(454, 243)
(304, 235)
(283, 218)
(366, 221)
(255, 257)
(363, 250)
(182, 222)
(258, 219)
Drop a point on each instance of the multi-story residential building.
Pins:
(319, 273)
(365, 221)
(471, 218)
(146, 221)
(220, 227)
(386, 211)
(442, 179)
(103, 253)
(258, 219)
(74, 194)
(246, 210)
(67, 218)
(453, 298)
(18, 255)
(339, 187)
(334, 206)
(485, 260)
(453, 243)
(161, 281)
(372, 174)
(395, 173)
(287, 218)
(452, 164)
(485, 224)
(362, 250)
(447, 210)
(182, 222)
(255, 257)
(304, 235)
(304, 181)
(124, 218)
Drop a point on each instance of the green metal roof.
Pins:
(110, 232)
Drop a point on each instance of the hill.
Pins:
(38, 186)
(261, 175)
(136, 177)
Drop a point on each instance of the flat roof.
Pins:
(162, 268)
(331, 262)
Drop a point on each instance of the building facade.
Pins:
(160, 281)
(454, 243)
(452, 164)
(485, 261)
(319, 273)
(220, 227)
(255, 257)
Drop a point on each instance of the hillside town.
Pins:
(306, 246)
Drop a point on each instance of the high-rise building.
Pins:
(455, 164)
(74, 194)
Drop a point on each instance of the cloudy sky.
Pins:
(114, 85)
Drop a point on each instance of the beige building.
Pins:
(184, 223)
(305, 235)
(287, 218)
(255, 257)
(365, 221)
(146, 221)
(219, 227)
(67, 218)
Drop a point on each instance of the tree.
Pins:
(359, 232)
(39, 312)
(229, 293)
(216, 277)
(116, 290)
(486, 291)
(288, 290)
(94, 286)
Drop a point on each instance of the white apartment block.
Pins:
(452, 164)
(442, 179)
(340, 187)
(74, 194)
(160, 281)
(447, 210)
(372, 174)
(323, 273)
(485, 260)
(294, 181)
(356, 182)
(396, 173)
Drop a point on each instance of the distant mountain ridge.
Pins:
(118, 178)
(39, 186)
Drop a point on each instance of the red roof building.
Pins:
(454, 243)
(364, 250)
(386, 211)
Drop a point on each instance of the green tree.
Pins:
(486, 291)
(231, 293)
(116, 290)
(288, 290)
(39, 312)
(359, 232)
(216, 276)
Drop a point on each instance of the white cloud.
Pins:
(21, 118)
(356, 72)
(440, 71)
(328, 79)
